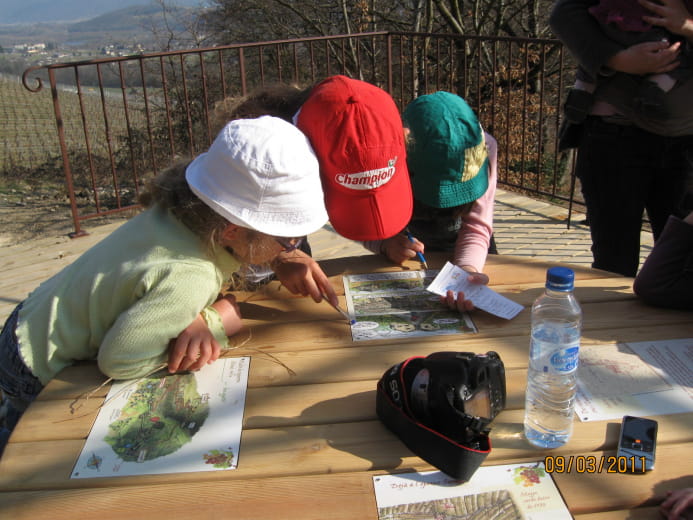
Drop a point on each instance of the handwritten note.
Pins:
(452, 278)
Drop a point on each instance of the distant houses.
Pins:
(29, 48)
(45, 53)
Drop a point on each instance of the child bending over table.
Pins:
(356, 131)
(453, 170)
(149, 293)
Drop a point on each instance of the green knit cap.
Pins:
(447, 157)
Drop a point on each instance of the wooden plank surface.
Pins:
(312, 366)
(311, 441)
(332, 495)
(298, 445)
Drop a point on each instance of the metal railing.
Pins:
(120, 120)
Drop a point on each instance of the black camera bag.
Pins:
(457, 454)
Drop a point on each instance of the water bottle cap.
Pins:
(560, 279)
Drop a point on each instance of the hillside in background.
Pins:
(127, 19)
(128, 24)
(37, 11)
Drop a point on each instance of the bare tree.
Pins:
(178, 28)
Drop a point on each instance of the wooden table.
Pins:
(312, 442)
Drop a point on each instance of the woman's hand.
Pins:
(678, 504)
(671, 15)
(646, 58)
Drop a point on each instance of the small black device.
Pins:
(636, 444)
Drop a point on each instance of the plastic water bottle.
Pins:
(553, 361)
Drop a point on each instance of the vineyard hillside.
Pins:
(33, 196)
(28, 131)
(27, 127)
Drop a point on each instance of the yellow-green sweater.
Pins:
(124, 299)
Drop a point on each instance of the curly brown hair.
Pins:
(279, 100)
(171, 191)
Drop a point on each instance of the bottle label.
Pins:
(565, 361)
(555, 348)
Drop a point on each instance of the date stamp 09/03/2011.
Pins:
(594, 464)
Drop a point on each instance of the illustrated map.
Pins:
(169, 424)
(387, 305)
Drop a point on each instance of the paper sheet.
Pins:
(640, 378)
(513, 491)
(452, 278)
(397, 305)
(172, 424)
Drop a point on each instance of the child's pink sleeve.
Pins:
(474, 237)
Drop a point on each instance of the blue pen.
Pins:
(338, 309)
(419, 255)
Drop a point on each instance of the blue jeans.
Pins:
(624, 171)
(19, 386)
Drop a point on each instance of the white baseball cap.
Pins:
(261, 174)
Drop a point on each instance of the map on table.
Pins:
(397, 304)
(172, 424)
(636, 378)
(506, 492)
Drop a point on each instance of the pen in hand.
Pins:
(338, 309)
(420, 256)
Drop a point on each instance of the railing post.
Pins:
(78, 232)
(389, 63)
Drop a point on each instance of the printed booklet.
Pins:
(513, 491)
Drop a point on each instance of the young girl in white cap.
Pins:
(149, 292)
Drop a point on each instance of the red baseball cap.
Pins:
(356, 132)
